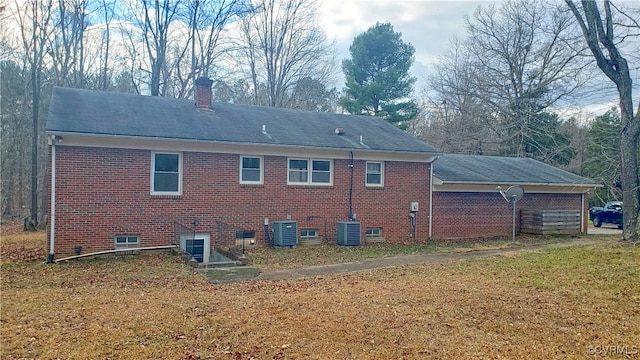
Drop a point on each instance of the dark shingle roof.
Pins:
(107, 113)
(477, 169)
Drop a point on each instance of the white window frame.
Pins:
(366, 174)
(373, 232)
(153, 170)
(127, 244)
(289, 181)
(309, 237)
(259, 182)
(310, 173)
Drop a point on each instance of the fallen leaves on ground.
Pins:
(17, 245)
(303, 256)
(556, 303)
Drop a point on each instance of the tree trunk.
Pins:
(35, 104)
(603, 45)
(630, 179)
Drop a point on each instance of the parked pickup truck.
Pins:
(611, 213)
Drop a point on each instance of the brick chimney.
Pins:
(203, 93)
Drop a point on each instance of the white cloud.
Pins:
(428, 25)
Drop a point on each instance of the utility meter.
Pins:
(414, 206)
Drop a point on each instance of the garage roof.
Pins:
(479, 169)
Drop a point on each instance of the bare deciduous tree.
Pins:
(201, 48)
(310, 94)
(600, 35)
(14, 137)
(458, 120)
(67, 47)
(34, 17)
(108, 13)
(519, 59)
(152, 19)
(527, 58)
(282, 43)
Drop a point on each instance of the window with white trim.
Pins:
(308, 234)
(251, 170)
(127, 242)
(375, 173)
(374, 233)
(166, 173)
(310, 171)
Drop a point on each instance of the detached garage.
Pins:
(466, 203)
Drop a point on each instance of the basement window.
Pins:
(245, 238)
(374, 233)
(127, 242)
(309, 234)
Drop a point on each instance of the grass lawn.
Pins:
(572, 302)
(302, 256)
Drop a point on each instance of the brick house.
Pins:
(138, 171)
(466, 203)
(129, 171)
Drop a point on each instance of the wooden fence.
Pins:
(545, 222)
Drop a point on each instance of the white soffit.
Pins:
(157, 144)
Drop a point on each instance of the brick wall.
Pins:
(104, 192)
(475, 214)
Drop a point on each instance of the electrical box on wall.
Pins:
(414, 206)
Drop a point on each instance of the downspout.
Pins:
(52, 221)
(583, 228)
(431, 200)
(351, 216)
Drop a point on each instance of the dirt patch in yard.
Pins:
(605, 229)
(229, 274)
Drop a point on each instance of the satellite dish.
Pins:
(514, 193)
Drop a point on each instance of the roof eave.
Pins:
(498, 183)
(484, 187)
(164, 143)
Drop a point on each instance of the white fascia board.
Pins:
(188, 145)
(436, 180)
(439, 186)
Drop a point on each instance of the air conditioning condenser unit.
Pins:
(285, 233)
(348, 233)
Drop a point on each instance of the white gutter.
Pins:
(52, 219)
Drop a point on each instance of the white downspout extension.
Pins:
(53, 200)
